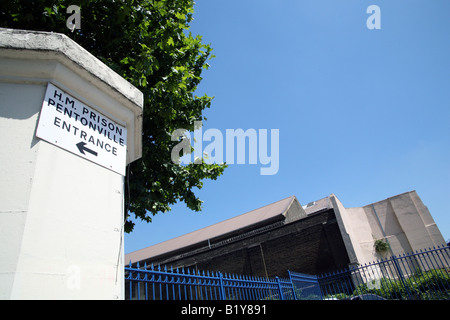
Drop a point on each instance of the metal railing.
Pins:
(163, 284)
(423, 275)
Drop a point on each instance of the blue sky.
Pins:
(363, 114)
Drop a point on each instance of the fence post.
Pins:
(292, 284)
(221, 288)
(280, 289)
(402, 278)
(130, 276)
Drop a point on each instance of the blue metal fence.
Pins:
(180, 284)
(421, 275)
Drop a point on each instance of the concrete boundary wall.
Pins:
(61, 215)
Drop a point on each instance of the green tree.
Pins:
(147, 42)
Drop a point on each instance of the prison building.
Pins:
(322, 236)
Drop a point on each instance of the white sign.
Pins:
(70, 124)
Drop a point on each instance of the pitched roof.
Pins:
(268, 212)
(317, 205)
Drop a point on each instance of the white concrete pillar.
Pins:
(62, 178)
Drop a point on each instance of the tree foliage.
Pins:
(146, 42)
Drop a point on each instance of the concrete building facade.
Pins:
(402, 221)
(319, 237)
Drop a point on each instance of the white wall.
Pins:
(61, 216)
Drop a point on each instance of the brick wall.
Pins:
(311, 245)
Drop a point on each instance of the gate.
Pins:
(306, 286)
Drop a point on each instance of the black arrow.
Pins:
(82, 148)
